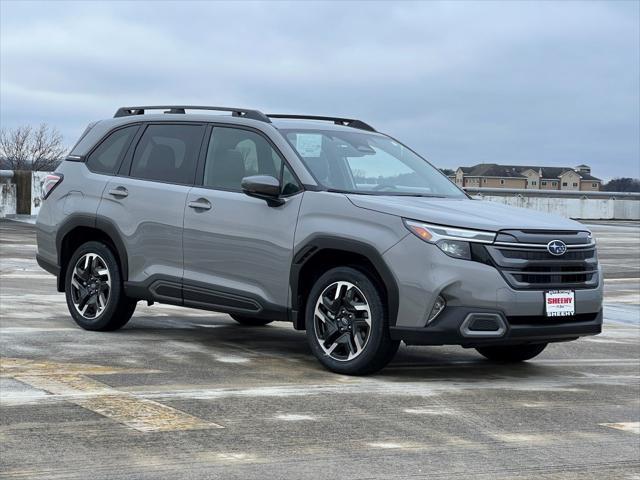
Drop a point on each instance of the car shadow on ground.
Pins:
(278, 340)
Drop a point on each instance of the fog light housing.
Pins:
(438, 307)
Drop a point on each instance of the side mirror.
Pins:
(264, 187)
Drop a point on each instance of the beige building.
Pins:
(491, 175)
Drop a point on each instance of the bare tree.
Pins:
(28, 148)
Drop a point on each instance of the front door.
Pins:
(238, 249)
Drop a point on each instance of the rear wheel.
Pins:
(250, 321)
(94, 289)
(512, 353)
(347, 324)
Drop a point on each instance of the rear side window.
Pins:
(168, 153)
(104, 159)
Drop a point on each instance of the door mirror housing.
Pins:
(265, 187)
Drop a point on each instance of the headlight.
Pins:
(455, 248)
(453, 241)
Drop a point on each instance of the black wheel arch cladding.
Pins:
(105, 229)
(318, 244)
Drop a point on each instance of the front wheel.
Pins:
(512, 353)
(347, 324)
(94, 289)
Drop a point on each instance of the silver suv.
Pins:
(319, 221)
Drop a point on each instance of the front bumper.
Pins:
(450, 328)
(423, 272)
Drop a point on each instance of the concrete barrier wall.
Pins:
(578, 205)
(7, 199)
(37, 179)
(20, 192)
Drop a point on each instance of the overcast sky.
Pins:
(462, 83)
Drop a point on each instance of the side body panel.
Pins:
(332, 214)
(149, 222)
(240, 247)
(72, 203)
(330, 221)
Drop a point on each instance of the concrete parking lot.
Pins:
(182, 393)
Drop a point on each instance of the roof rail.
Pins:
(180, 109)
(347, 122)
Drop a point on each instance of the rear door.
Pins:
(145, 204)
(237, 249)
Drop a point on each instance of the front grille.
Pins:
(533, 267)
(544, 255)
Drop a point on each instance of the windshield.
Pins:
(357, 162)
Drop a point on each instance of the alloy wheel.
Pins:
(90, 285)
(342, 318)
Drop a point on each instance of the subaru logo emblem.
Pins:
(556, 247)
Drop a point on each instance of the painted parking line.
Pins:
(437, 410)
(294, 417)
(392, 445)
(31, 275)
(70, 381)
(633, 427)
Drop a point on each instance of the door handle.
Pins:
(200, 204)
(119, 192)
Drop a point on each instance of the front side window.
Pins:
(235, 153)
(359, 162)
(105, 157)
(168, 153)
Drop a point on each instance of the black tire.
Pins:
(512, 353)
(118, 308)
(378, 348)
(250, 321)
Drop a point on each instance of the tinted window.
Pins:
(167, 153)
(234, 153)
(370, 163)
(104, 159)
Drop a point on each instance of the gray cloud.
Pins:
(512, 82)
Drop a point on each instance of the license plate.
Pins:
(560, 303)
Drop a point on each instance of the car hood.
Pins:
(464, 213)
